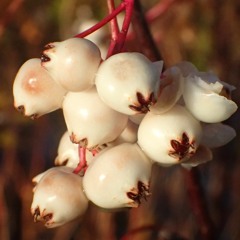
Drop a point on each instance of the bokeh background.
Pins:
(205, 32)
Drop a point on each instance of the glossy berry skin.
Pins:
(90, 122)
(171, 137)
(129, 134)
(35, 92)
(118, 177)
(128, 82)
(72, 63)
(58, 197)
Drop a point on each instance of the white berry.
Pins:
(35, 92)
(171, 137)
(118, 177)
(128, 82)
(72, 63)
(89, 121)
(58, 197)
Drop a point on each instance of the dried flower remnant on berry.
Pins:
(182, 149)
(142, 192)
(169, 137)
(143, 105)
(21, 109)
(38, 217)
(44, 58)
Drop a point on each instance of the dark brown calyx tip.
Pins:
(45, 58)
(34, 116)
(21, 109)
(143, 103)
(142, 193)
(36, 215)
(181, 148)
(48, 46)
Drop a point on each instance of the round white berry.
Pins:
(118, 177)
(171, 137)
(89, 121)
(72, 63)
(128, 82)
(35, 92)
(58, 197)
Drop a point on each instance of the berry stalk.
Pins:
(121, 38)
(82, 165)
(103, 22)
(114, 27)
(113, 22)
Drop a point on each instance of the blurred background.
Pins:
(205, 32)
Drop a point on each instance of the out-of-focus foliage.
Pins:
(205, 32)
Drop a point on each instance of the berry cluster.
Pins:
(122, 115)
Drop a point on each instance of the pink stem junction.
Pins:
(82, 165)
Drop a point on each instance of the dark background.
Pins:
(205, 32)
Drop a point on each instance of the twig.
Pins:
(198, 204)
(143, 33)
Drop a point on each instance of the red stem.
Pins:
(113, 23)
(123, 33)
(103, 22)
(82, 165)
(114, 28)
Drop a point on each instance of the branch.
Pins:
(143, 33)
(198, 204)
